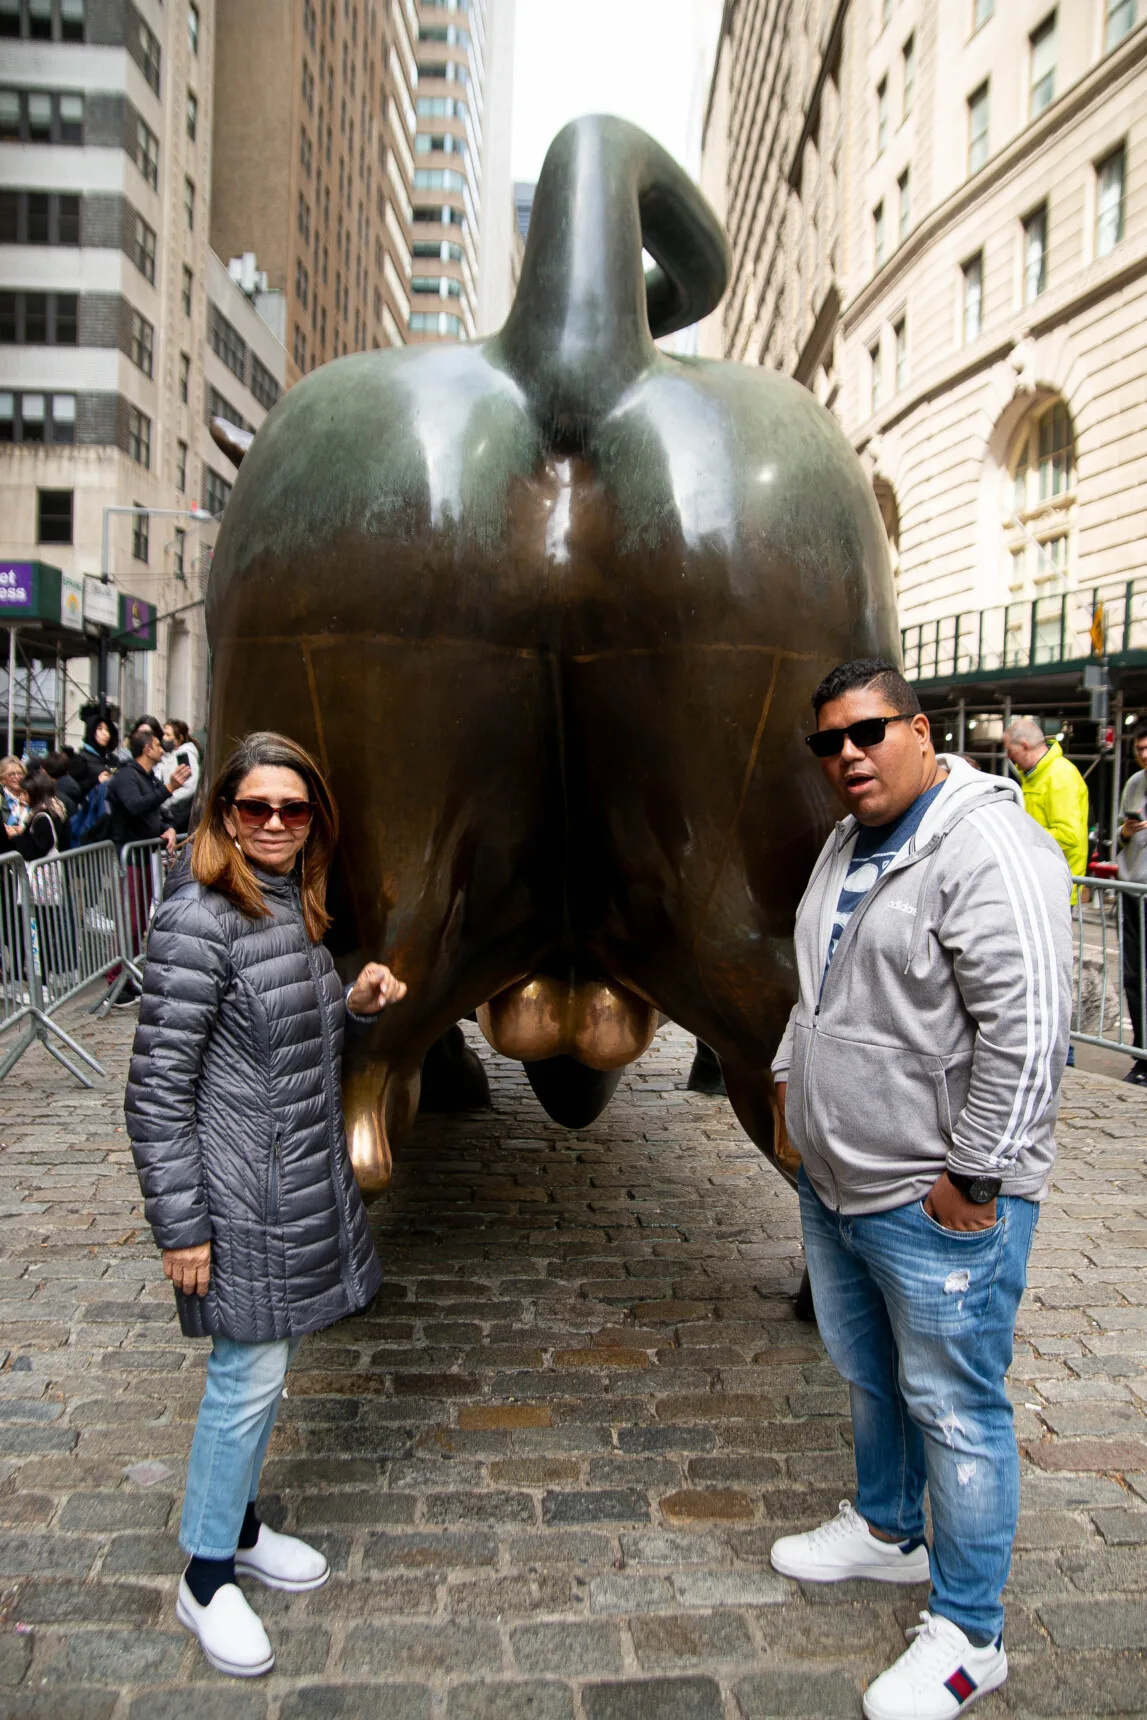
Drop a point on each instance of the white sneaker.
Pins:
(230, 1634)
(938, 1677)
(843, 1548)
(282, 1562)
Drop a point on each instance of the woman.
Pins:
(235, 1117)
(13, 797)
(53, 926)
(178, 749)
(46, 814)
(96, 759)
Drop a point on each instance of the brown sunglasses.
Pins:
(293, 814)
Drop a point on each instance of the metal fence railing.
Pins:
(1109, 1002)
(66, 922)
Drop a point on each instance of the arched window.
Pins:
(1039, 507)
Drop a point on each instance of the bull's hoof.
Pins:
(453, 1078)
(705, 1076)
(380, 1105)
(569, 1092)
(802, 1301)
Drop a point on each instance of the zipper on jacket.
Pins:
(334, 1102)
(273, 1178)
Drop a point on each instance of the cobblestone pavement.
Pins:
(548, 1464)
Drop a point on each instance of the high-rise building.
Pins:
(462, 169)
(313, 164)
(107, 285)
(938, 215)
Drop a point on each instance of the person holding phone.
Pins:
(919, 1079)
(234, 1111)
(1133, 870)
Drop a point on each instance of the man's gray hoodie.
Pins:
(940, 1035)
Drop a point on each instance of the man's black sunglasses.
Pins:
(868, 732)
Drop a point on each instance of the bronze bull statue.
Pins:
(549, 608)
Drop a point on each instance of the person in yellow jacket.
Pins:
(1054, 792)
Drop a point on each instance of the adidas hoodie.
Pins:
(940, 1035)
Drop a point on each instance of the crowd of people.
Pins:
(101, 790)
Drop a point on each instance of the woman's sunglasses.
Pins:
(293, 814)
(868, 732)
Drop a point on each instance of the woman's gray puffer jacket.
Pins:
(234, 1111)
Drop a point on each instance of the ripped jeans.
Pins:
(920, 1320)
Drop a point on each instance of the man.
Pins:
(135, 797)
(1054, 792)
(1133, 870)
(919, 1076)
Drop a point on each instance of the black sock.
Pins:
(249, 1533)
(205, 1576)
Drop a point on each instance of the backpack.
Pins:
(93, 821)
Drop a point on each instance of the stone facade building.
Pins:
(314, 164)
(938, 214)
(113, 314)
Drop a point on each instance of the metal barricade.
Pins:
(1109, 983)
(76, 917)
(143, 868)
(33, 910)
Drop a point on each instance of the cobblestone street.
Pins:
(548, 1464)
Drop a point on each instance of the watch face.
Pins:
(983, 1190)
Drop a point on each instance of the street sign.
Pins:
(71, 602)
(16, 581)
(101, 601)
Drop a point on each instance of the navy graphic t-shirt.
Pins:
(876, 848)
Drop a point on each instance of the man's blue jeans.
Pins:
(920, 1320)
(236, 1416)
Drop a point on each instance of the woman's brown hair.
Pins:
(218, 862)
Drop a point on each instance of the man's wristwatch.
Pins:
(979, 1190)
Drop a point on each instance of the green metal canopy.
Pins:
(49, 606)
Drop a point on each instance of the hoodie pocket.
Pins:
(878, 1111)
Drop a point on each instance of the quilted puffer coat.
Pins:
(234, 1111)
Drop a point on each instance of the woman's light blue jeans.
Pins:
(236, 1416)
(920, 1321)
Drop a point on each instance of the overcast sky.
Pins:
(647, 60)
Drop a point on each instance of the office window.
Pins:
(37, 417)
(140, 535)
(147, 153)
(71, 20)
(878, 234)
(39, 319)
(138, 436)
(184, 377)
(149, 55)
(185, 292)
(973, 273)
(263, 385)
(1035, 254)
(41, 21)
(1120, 19)
(1109, 202)
(978, 128)
(181, 466)
(192, 115)
(874, 373)
(981, 11)
(218, 406)
(54, 516)
(189, 203)
(1043, 50)
(143, 249)
(193, 28)
(39, 218)
(216, 490)
(908, 75)
(142, 343)
(881, 116)
(227, 343)
(40, 116)
(177, 546)
(903, 186)
(900, 334)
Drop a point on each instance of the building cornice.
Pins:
(970, 362)
(1114, 69)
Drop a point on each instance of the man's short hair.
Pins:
(140, 741)
(1026, 731)
(1140, 729)
(55, 764)
(868, 672)
(151, 723)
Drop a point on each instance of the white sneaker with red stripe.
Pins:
(940, 1676)
(842, 1548)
